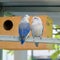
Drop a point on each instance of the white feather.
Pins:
(37, 26)
(25, 18)
(36, 19)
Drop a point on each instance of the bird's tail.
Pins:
(36, 43)
(22, 41)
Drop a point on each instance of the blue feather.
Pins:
(22, 41)
(24, 29)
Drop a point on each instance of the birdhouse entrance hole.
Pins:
(8, 24)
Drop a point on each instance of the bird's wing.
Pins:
(37, 29)
(24, 29)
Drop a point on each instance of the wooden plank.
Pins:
(26, 46)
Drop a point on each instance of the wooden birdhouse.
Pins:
(9, 27)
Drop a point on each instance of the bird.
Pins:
(24, 28)
(37, 28)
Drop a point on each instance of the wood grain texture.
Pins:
(14, 30)
(26, 46)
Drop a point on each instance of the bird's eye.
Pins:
(35, 18)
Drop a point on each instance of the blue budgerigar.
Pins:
(24, 28)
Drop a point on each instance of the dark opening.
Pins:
(8, 25)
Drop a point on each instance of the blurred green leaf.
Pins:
(11, 52)
(56, 46)
(57, 36)
(57, 26)
(8, 14)
(54, 55)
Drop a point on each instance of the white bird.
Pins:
(37, 28)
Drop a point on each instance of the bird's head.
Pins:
(26, 18)
(36, 19)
